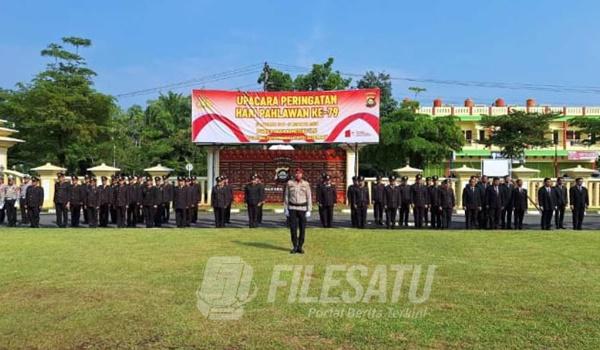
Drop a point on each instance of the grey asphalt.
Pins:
(341, 220)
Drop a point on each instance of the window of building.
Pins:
(555, 137)
(468, 135)
(573, 135)
(481, 135)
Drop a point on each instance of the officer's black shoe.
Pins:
(293, 250)
(300, 251)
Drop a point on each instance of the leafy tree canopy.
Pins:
(518, 131)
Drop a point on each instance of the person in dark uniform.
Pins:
(377, 194)
(579, 200)
(76, 200)
(167, 198)
(405, 196)
(493, 203)
(62, 195)
(122, 202)
(419, 197)
(259, 215)
(150, 201)
(547, 204)
(446, 204)
(229, 190)
(326, 199)
(86, 185)
(191, 196)
(158, 214)
(391, 201)
(361, 202)
(104, 202)
(435, 207)
(472, 204)
(318, 193)
(181, 202)
(140, 208)
(519, 203)
(220, 201)
(562, 200)
(196, 195)
(134, 193)
(92, 202)
(34, 200)
(483, 218)
(114, 183)
(350, 197)
(427, 208)
(506, 193)
(254, 197)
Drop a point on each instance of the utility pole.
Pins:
(266, 73)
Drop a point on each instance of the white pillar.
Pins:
(212, 169)
(350, 163)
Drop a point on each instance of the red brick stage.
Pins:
(239, 164)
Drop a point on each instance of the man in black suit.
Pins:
(471, 200)
(350, 195)
(361, 202)
(483, 217)
(506, 193)
(561, 198)
(391, 200)
(579, 200)
(447, 203)
(377, 193)
(419, 197)
(405, 198)
(493, 203)
(434, 203)
(519, 198)
(547, 203)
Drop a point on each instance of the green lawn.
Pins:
(137, 289)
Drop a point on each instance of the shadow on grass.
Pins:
(261, 245)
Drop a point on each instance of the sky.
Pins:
(146, 44)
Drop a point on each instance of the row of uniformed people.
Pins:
(222, 198)
(391, 199)
(492, 205)
(128, 201)
(29, 196)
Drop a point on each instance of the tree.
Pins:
(417, 139)
(276, 80)
(59, 113)
(321, 77)
(517, 131)
(588, 125)
(383, 82)
(160, 133)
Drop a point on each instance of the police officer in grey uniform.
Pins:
(297, 205)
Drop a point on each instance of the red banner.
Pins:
(236, 117)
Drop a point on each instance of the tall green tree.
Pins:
(321, 77)
(518, 131)
(276, 80)
(160, 133)
(383, 82)
(408, 137)
(59, 113)
(590, 126)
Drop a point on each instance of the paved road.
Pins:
(271, 219)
